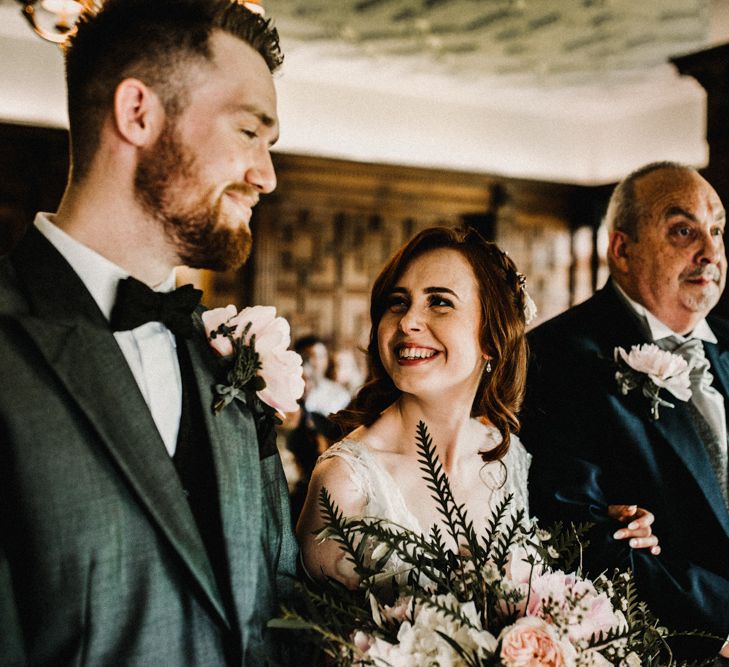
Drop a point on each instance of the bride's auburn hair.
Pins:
(502, 337)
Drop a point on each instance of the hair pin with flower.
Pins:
(651, 369)
(530, 308)
(253, 344)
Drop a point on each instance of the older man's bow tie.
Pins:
(136, 304)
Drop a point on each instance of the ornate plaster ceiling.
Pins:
(579, 91)
(552, 42)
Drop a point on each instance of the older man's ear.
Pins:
(618, 244)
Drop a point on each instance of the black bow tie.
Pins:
(136, 304)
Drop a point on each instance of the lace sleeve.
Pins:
(350, 452)
(518, 460)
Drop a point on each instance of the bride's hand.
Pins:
(639, 530)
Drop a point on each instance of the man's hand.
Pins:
(639, 530)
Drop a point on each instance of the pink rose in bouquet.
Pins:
(575, 602)
(532, 642)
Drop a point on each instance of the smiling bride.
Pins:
(447, 348)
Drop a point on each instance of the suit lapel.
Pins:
(616, 324)
(675, 426)
(234, 444)
(74, 338)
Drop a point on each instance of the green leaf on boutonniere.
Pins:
(651, 369)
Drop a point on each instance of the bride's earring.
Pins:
(488, 362)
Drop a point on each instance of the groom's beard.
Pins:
(166, 173)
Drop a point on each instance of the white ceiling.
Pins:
(564, 90)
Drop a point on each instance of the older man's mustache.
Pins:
(709, 272)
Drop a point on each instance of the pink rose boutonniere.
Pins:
(254, 343)
(651, 369)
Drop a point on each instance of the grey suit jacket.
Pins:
(100, 558)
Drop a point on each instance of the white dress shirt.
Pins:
(150, 350)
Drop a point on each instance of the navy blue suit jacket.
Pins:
(593, 446)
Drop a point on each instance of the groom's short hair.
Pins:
(151, 40)
(625, 211)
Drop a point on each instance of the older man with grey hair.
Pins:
(597, 438)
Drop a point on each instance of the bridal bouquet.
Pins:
(507, 597)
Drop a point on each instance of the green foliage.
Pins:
(396, 567)
(568, 543)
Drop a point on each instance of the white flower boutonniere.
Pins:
(651, 369)
(255, 344)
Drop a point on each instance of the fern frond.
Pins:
(344, 532)
(427, 599)
(506, 537)
(492, 525)
(460, 528)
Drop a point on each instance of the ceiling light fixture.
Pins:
(255, 6)
(53, 20)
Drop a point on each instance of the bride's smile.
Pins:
(429, 333)
(408, 353)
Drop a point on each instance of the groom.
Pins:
(136, 527)
(593, 444)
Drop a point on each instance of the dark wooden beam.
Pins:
(711, 69)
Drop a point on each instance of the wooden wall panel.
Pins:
(323, 236)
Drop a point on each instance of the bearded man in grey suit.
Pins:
(137, 527)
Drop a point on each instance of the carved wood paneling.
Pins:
(710, 68)
(321, 239)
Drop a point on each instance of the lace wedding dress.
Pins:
(383, 499)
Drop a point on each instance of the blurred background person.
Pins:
(312, 432)
(321, 395)
(344, 370)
